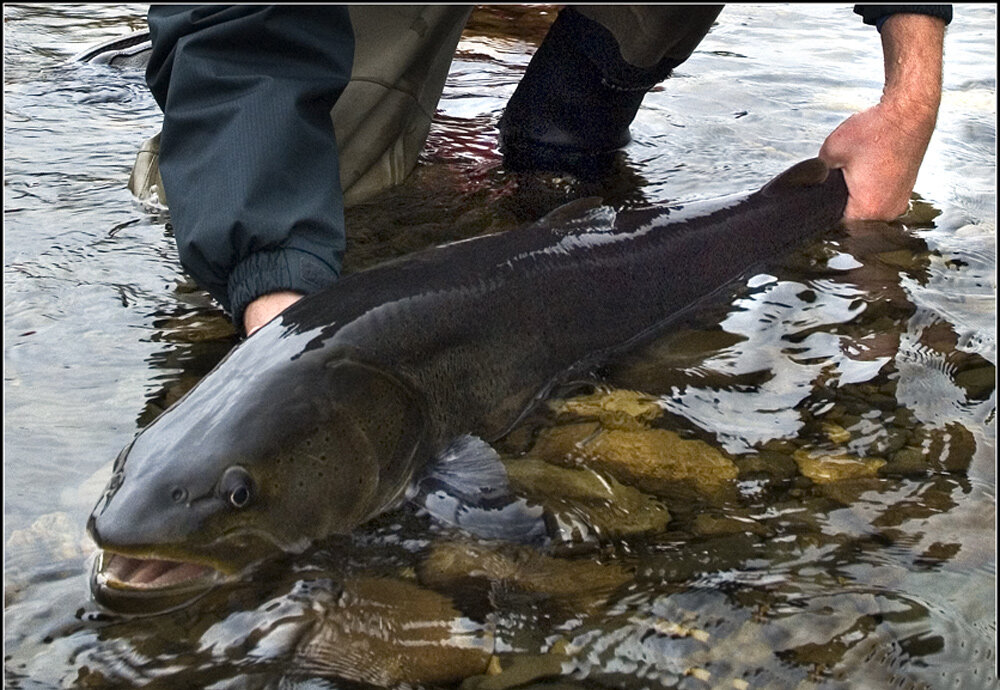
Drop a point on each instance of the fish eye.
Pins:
(236, 486)
(240, 496)
(178, 494)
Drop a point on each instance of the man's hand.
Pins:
(266, 307)
(881, 149)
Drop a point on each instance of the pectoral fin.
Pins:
(467, 487)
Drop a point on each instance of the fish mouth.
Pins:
(128, 584)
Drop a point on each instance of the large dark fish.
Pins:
(325, 416)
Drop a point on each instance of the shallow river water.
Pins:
(822, 441)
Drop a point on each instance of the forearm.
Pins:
(881, 148)
(912, 46)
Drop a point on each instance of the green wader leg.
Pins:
(572, 109)
(401, 61)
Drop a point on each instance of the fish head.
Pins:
(243, 469)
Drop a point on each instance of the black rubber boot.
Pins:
(573, 107)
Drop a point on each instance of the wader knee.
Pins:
(583, 87)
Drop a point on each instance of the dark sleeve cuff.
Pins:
(876, 15)
(273, 271)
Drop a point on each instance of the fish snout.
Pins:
(98, 532)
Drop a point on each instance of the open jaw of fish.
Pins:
(158, 579)
(149, 583)
(155, 579)
(327, 415)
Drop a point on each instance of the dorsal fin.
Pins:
(808, 173)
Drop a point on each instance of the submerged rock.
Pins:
(825, 467)
(53, 540)
(614, 437)
(767, 463)
(617, 409)
(583, 501)
(525, 671)
(581, 586)
(644, 457)
(979, 382)
(52, 537)
(388, 632)
(934, 449)
(706, 524)
(836, 433)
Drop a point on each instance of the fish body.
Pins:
(323, 417)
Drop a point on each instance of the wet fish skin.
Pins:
(322, 418)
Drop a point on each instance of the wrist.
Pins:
(906, 120)
(266, 307)
(911, 108)
(280, 270)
